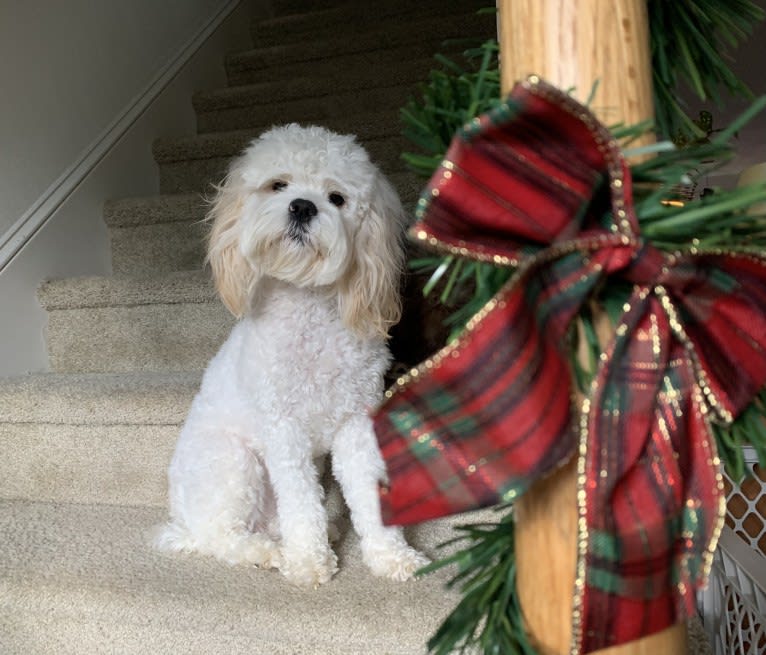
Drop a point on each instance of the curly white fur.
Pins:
(297, 376)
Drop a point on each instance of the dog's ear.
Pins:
(234, 277)
(369, 299)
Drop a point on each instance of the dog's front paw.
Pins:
(308, 568)
(258, 550)
(394, 560)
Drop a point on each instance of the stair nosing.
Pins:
(259, 93)
(283, 58)
(174, 288)
(156, 209)
(229, 143)
(314, 17)
(93, 398)
(249, 61)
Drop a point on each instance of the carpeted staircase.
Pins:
(84, 448)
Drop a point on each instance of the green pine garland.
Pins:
(691, 41)
(487, 619)
(488, 616)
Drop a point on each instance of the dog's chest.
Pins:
(307, 365)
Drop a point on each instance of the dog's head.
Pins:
(306, 206)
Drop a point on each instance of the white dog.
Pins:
(305, 248)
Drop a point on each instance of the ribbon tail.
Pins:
(652, 488)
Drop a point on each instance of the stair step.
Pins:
(126, 291)
(252, 66)
(330, 102)
(383, 16)
(149, 210)
(372, 129)
(194, 163)
(98, 398)
(80, 579)
(157, 234)
(170, 322)
(160, 248)
(112, 464)
(107, 439)
(91, 438)
(428, 32)
(285, 7)
(327, 81)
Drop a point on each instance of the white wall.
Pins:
(66, 70)
(80, 105)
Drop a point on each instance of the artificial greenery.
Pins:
(691, 42)
(453, 96)
(488, 616)
(487, 620)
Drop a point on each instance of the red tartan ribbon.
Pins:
(541, 185)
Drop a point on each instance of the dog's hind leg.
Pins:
(358, 466)
(219, 493)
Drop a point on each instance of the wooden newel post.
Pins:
(572, 44)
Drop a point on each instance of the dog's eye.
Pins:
(337, 199)
(278, 185)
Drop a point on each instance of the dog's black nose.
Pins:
(302, 211)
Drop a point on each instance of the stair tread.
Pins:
(224, 144)
(148, 210)
(93, 562)
(285, 7)
(367, 69)
(267, 93)
(127, 290)
(134, 398)
(293, 24)
(419, 33)
(351, 73)
(285, 56)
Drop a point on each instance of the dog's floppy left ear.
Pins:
(234, 277)
(369, 297)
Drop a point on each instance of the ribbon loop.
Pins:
(526, 178)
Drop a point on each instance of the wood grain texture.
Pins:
(577, 43)
(573, 44)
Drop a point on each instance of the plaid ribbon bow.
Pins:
(541, 185)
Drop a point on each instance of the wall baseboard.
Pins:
(28, 225)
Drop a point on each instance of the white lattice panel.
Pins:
(733, 607)
(746, 505)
